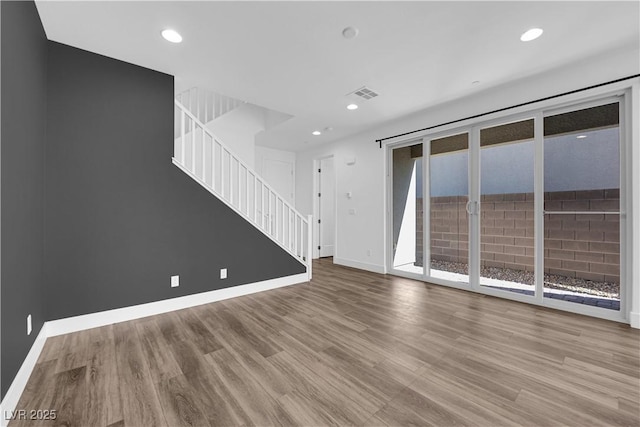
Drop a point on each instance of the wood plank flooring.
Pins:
(351, 348)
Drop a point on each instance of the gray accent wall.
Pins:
(121, 218)
(24, 61)
(94, 215)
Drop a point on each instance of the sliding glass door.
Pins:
(448, 200)
(529, 209)
(507, 250)
(582, 206)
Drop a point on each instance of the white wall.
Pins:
(365, 231)
(237, 130)
(365, 181)
(266, 153)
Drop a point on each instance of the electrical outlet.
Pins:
(29, 325)
(368, 252)
(223, 273)
(352, 211)
(175, 281)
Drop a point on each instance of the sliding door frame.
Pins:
(476, 166)
(625, 180)
(426, 226)
(622, 93)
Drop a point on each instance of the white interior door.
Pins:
(279, 175)
(326, 204)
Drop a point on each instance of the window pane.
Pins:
(582, 160)
(408, 251)
(582, 174)
(506, 207)
(449, 186)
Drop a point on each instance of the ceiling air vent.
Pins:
(363, 93)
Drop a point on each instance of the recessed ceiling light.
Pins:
(581, 136)
(352, 107)
(171, 35)
(531, 34)
(350, 32)
(316, 132)
(475, 82)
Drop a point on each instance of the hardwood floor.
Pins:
(350, 348)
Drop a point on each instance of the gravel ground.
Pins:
(587, 287)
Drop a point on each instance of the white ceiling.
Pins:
(291, 56)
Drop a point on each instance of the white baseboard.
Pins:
(103, 318)
(634, 320)
(10, 401)
(359, 265)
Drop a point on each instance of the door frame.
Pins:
(625, 184)
(475, 167)
(316, 206)
(628, 98)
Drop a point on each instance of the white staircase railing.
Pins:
(207, 105)
(202, 156)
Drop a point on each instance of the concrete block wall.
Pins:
(449, 229)
(507, 231)
(582, 246)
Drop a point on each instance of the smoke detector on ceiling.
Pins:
(363, 93)
(350, 32)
